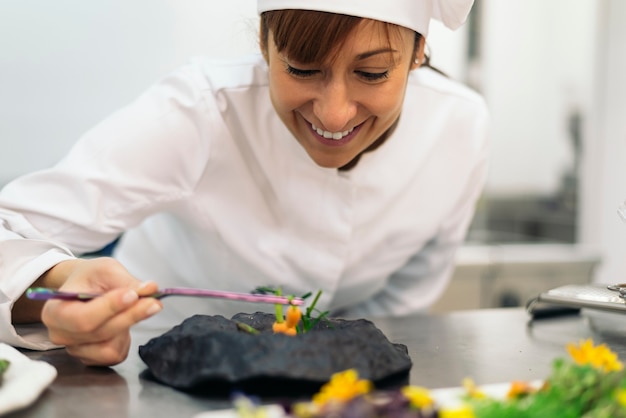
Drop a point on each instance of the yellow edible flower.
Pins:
(305, 409)
(418, 396)
(600, 356)
(246, 408)
(621, 397)
(342, 387)
(472, 390)
(460, 412)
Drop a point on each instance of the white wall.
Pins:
(536, 68)
(66, 64)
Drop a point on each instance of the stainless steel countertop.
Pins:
(490, 346)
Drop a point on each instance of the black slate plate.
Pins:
(210, 355)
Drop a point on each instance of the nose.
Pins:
(335, 107)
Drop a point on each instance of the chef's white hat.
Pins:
(413, 14)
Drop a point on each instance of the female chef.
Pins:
(329, 162)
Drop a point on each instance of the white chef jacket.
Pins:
(208, 188)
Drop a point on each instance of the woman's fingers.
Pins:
(98, 331)
(107, 353)
(147, 288)
(98, 320)
(108, 343)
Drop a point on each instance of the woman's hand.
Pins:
(98, 331)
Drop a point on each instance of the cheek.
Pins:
(388, 102)
(285, 94)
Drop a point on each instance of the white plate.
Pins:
(270, 411)
(23, 381)
(451, 397)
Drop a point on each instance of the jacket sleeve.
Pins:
(25, 254)
(136, 162)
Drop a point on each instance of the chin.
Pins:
(330, 162)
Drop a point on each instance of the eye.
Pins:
(373, 76)
(301, 73)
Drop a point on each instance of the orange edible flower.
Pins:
(282, 328)
(519, 388)
(293, 316)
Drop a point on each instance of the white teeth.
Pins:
(334, 135)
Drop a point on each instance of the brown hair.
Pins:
(309, 36)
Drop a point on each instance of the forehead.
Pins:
(370, 34)
(386, 32)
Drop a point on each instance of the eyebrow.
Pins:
(374, 52)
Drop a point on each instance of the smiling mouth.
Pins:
(331, 135)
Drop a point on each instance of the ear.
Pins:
(419, 54)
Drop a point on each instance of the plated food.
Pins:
(590, 383)
(212, 355)
(339, 368)
(293, 351)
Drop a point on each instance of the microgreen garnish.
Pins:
(305, 321)
(247, 328)
(4, 365)
(308, 320)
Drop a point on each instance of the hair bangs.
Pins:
(306, 36)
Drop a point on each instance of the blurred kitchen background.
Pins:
(552, 71)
